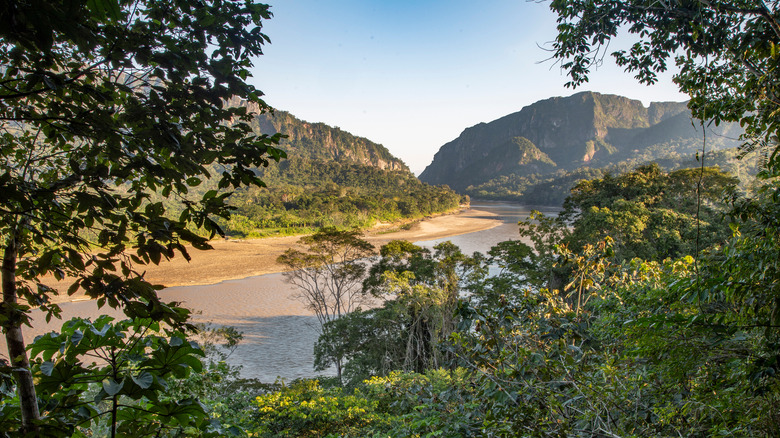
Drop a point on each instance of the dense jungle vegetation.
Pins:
(303, 195)
(608, 327)
(553, 188)
(649, 307)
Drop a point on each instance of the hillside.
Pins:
(566, 133)
(318, 141)
(330, 178)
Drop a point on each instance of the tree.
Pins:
(329, 276)
(407, 332)
(104, 103)
(370, 342)
(727, 53)
(405, 266)
(116, 376)
(649, 213)
(425, 314)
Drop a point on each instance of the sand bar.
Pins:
(234, 259)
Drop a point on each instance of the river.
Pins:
(279, 333)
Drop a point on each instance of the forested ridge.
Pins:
(303, 194)
(330, 178)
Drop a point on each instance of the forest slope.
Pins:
(330, 178)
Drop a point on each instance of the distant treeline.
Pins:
(308, 194)
(553, 188)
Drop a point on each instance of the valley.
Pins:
(182, 257)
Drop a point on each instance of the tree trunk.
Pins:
(16, 346)
(555, 281)
(115, 398)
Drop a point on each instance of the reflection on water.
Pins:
(276, 347)
(279, 332)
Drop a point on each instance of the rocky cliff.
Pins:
(585, 129)
(318, 141)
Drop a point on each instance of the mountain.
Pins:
(330, 178)
(516, 155)
(318, 141)
(566, 133)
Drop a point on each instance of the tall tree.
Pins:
(425, 288)
(726, 51)
(102, 104)
(329, 276)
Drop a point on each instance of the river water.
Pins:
(279, 332)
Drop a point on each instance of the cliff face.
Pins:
(318, 141)
(517, 154)
(584, 129)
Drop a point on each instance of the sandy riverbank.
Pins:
(235, 259)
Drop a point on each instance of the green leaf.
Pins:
(76, 337)
(112, 387)
(74, 287)
(144, 379)
(102, 9)
(47, 368)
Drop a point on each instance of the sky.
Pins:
(412, 75)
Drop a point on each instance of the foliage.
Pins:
(650, 214)
(646, 213)
(308, 194)
(218, 386)
(306, 409)
(444, 268)
(640, 349)
(725, 51)
(397, 405)
(103, 103)
(646, 349)
(167, 385)
(371, 342)
(329, 277)
(114, 378)
(435, 403)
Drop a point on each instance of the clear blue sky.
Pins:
(412, 75)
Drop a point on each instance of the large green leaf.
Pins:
(112, 387)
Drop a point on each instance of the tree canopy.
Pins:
(649, 213)
(102, 103)
(726, 52)
(329, 275)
